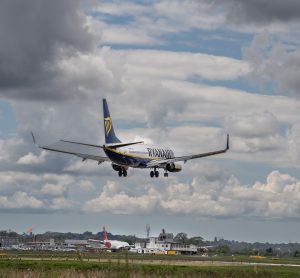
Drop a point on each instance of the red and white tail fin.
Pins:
(104, 235)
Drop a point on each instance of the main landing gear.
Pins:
(155, 173)
(123, 172)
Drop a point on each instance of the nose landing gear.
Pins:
(122, 172)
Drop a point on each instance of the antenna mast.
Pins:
(148, 230)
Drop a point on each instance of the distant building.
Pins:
(50, 245)
(89, 243)
(164, 243)
(76, 242)
(6, 241)
(163, 236)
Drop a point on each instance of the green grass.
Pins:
(46, 268)
(147, 257)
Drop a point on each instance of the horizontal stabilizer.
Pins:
(84, 144)
(82, 150)
(119, 145)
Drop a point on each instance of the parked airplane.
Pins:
(114, 245)
(128, 154)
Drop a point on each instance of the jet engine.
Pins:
(173, 167)
(116, 167)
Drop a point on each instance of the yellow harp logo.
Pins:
(107, 125)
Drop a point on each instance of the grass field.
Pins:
(121, 265)
(92, 269)
(146, 257)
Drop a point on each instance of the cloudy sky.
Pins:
(182, 73)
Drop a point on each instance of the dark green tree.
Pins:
(181, 238)
(196, 240)
(222, 249)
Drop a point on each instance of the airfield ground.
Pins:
(47, 264)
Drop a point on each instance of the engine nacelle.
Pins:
(173, 167)
(116, 167)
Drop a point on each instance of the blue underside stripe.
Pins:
(127, 160)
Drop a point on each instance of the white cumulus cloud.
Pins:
(208, 194)
(31, 158)
(20, 200)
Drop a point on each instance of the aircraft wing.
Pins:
(163, 162)
(82, 150)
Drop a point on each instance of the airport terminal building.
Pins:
(164, 244)
(6, 241)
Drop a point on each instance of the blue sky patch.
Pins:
(8, 123)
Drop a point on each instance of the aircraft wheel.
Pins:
(124, 173)
(151, 174)
(156, 174)
(120, 173)
(166, 174)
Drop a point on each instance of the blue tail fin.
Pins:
(110, 136)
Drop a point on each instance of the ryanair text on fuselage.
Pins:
(163, 153)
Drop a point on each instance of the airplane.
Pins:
(114, 245)
(123, 155)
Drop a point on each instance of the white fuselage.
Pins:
(138, 155)
(116, 244)
(149, 151)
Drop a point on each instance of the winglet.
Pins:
(33, 139)
(227, 144)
